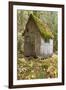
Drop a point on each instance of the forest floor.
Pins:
(37, 68)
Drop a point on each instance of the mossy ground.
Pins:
(37, 68)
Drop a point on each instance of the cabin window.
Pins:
(47, 40)
(27, 30)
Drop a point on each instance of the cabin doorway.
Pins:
(29, 47)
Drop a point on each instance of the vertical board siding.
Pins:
(46, 48)
(51, 46)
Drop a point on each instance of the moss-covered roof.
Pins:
(43, 28)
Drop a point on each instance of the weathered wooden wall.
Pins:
(46, 48)
(31, 48)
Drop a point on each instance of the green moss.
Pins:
(43, 28)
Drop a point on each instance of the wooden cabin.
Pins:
(38, 39)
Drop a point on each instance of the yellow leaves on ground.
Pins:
(31, 68)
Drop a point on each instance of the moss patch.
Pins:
(43, 28)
